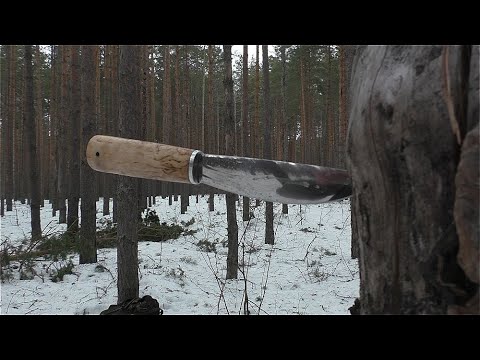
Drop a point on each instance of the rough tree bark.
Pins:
(232, 227)
(62, 183)
(245, 127)
(402, 153)
(167, 112)
(88, 240)
(127, 190)
(75, 121)
(9, 125)
(267, 150)
(284, 140)
(30, 132)
(210, 126)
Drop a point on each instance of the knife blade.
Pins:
(268, 180)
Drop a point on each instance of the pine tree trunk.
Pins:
(329, 116)
(107, 122)
(142, 194)
(284, 140)
(9, 133)
(232, 227)
(245, 125)
(303, 113)
(167, 112)
(75, 121)
(257, 140)
(30, 132)
(403, 149)
(127, 191)
(210, 134)
(88, 241)
(267, 150)
(62, 137)
(54, 129)
(115, 121)
(39, 122)
(187, 119)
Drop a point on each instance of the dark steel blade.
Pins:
(274, 181)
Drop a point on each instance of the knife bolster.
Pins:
(195, 167)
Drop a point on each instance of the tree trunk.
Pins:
(107, 95)
(127, 191)
(115, 121)
(186, 118)
(75, 121)
(9, 128)
(245, 126)
(30, 132)
(232, 227)
(330, 148)
(284, 140)
(167, 111)
(210, 134)
(267, 150)
(62, 136)
(402, 153)
(53, 129)
(39, 121)
(88, 241)
(257, 141)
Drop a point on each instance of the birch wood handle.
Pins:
(141, 159)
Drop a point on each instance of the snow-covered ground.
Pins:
(307, 271)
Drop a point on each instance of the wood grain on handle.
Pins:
(137, 158)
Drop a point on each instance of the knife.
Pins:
(268, 180)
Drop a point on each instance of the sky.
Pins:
(307, 271)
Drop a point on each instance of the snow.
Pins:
(307, 271)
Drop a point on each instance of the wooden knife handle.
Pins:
(141, 159)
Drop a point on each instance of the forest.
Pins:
(296, 104)
(56, 97)
(182, 103)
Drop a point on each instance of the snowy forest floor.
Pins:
(307, 271)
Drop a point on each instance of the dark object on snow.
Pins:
(355, 308)
(137, 306)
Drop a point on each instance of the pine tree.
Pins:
(31, 134)
(88, 241)
(127, 190)
(267, 151)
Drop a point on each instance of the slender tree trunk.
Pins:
(39, 121)
(107, 122)
(88, 241)
(245, 125)
(257, 139)
(127, 191)
(210, 139)
(54, 129)
(19, 153)
(232, 227)
(9, 133)
(189, 129)
(303, 115)
(407, 104)
(115, 121)
(75, 121)
(142, 195)
(167, 112)
(267, 150)
(284, 140)
(62, 140)
(30, 132)
(330, 120)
